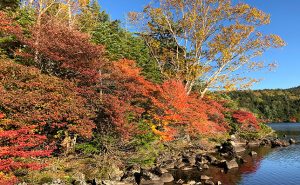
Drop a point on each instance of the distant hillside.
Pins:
(295, 89)
(275, 105)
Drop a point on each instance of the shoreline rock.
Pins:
(292, 141)
(227, 157)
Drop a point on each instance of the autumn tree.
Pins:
(212, 43)
(54, 106)
(65, 11)
(126, 96)
(129, 99)
(66, 49)
(246, 120)
(66, 53)
(174, 108)
(40, 8)
(8, 28)
(19, 146)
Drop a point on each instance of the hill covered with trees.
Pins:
(273, 105)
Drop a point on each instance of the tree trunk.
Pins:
(69, 14)
(101, 85)
(189, 86)
(202, 93)
(69, 143)
(37, 39)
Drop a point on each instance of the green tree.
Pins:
(273, 105)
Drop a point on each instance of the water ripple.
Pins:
(282, 165)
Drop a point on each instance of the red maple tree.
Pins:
(247, 120)
(18, 147)
(31, 98)
(57, 50)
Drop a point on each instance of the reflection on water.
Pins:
(280, 166)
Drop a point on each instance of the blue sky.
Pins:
(285, 21)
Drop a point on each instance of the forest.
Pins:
(78, 88)
(275, 105)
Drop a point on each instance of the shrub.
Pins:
(31, 98)
(18, 147)
(246, 120)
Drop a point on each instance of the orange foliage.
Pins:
(69, 48)
(174, 107)
(7, 179)
(60, 51)
(126, 95)
(129, 97)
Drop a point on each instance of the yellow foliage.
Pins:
(206, 40)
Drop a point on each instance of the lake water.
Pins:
(279, 166)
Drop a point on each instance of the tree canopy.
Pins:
(204, 42)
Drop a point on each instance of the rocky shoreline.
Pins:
(226, 156)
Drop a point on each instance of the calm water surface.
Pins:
(280, 166)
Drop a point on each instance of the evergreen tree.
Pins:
(119, 43)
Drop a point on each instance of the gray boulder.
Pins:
(278, 143)
(231, 164)
(204, 177)
(252, 153)
(167, 177)
(292, 141)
